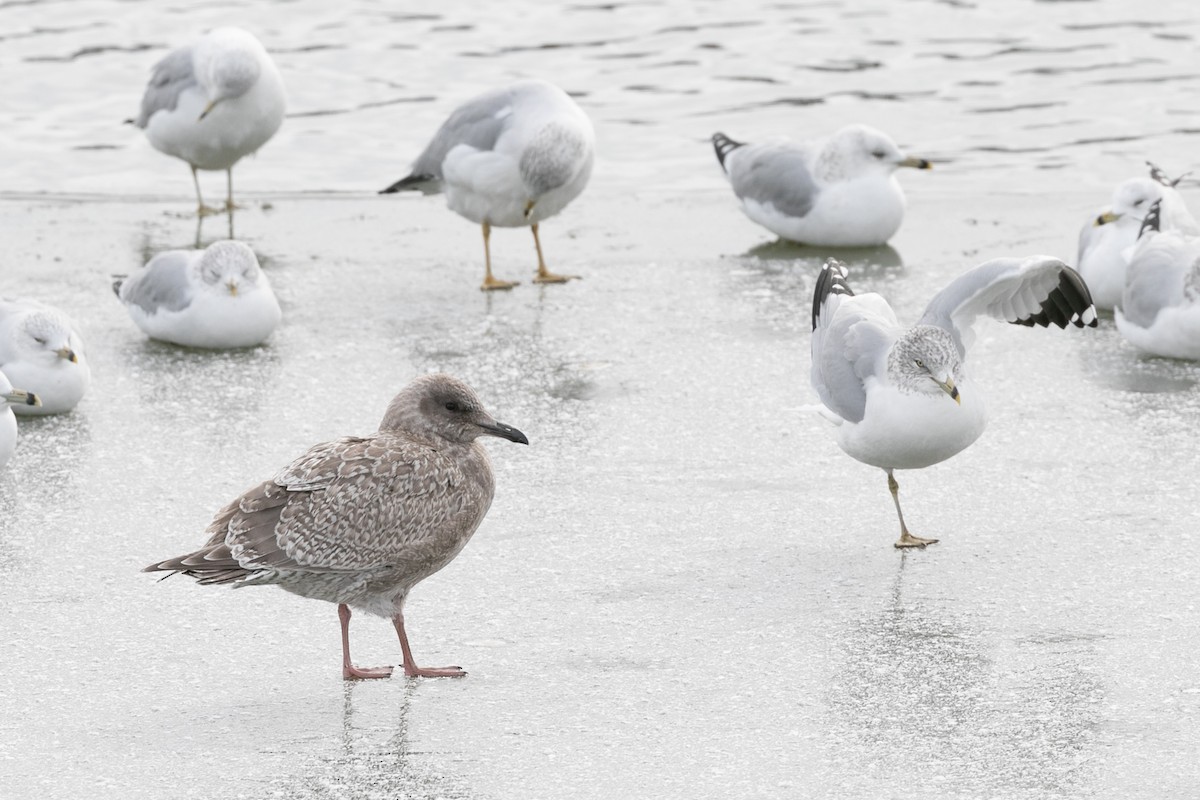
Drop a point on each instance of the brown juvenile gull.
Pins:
(361, 520)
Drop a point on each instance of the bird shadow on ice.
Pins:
(859, 259)
(374, 756)
(1150, 381)
(918, 692)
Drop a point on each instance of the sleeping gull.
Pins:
(840, 192)
(901, 398)
(212, 102)
(215, 298)
(1106, 237)
(41, 352)
(510, 157)
(10, 397)
(1160, 308)
(361, 520)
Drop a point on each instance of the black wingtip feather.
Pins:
(408, 182)
(117, 283)
(832, 280)
(724, 146)
(1153, 219)
(1068, 303)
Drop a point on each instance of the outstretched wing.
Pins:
(344, 506)
(1038, 290)
(851, 338)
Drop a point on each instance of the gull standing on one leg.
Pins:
(901, 398)
(212, 102)
(509, 158)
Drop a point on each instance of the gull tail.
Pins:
(1153, 219)
(832, 280)
(118, 283)
(414, 182)
(724, 146)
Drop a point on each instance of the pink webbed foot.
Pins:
(434, 672)
(353, 673)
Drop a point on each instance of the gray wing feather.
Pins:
(478, 123)
(1038, 290)
(171, 76)
(1158, 272)
(162, 285)
(775, 173)
(850, 344)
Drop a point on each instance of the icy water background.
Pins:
(684, 589)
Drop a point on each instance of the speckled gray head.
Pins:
(860, 149)
(47, 333)
(227, 62)
(231, 263)
(925, 360)
(442, 407)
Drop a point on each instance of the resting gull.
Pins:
(840, 192)
(10, 397)
(1106, 238)
(901, 398)
(1160, 307)
(509, 158)
(212, 102)
(361, 520)
(214, 298)
(41, 352)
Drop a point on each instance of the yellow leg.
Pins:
(544, 275)
(489, 282)
(201, 209)
(229, 204)
(906, 538)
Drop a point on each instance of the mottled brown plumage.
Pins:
(361, 520)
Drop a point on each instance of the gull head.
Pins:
(1131, 200)
(45, 335)
(925, 360)
(230, 267)
(228, 64)
(859, 150)
(442, 408)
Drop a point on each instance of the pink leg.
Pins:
(349, 671)
(410, 666)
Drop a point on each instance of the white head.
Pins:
(228, 62)
(925, 360)
(859, 150)
(45, 335)
(229, 266)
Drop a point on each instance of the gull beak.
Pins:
(949, 388)
(232, 288)
(1106, 218)
(20, 397)
(68, 354)
(529, 208)
(493, 428)
(916, 163)
(207, 109)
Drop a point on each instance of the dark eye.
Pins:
(1139, 202)
(39, 340)
(453, 406)
(918, 362)
(878, 153)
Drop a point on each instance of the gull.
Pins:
(1106, 238)
(41, 352)
(901, 399)
(1160, 307)
(840, 192)
(213, 102)
(509, 158)
(10, 397)
(361, 520)
(213, 298)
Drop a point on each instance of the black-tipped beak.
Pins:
(505, 432)
(916, 163)
(68, 354)
(19, 397)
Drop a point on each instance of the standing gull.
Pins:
(840, 192)
(41, 352)
(1160, 307)
(212, 102)
(1106, 238)
(901, 398)
(511, 157)
(216, 298)
(10, 397)
(361, 520)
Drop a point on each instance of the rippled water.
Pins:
(683, 589)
